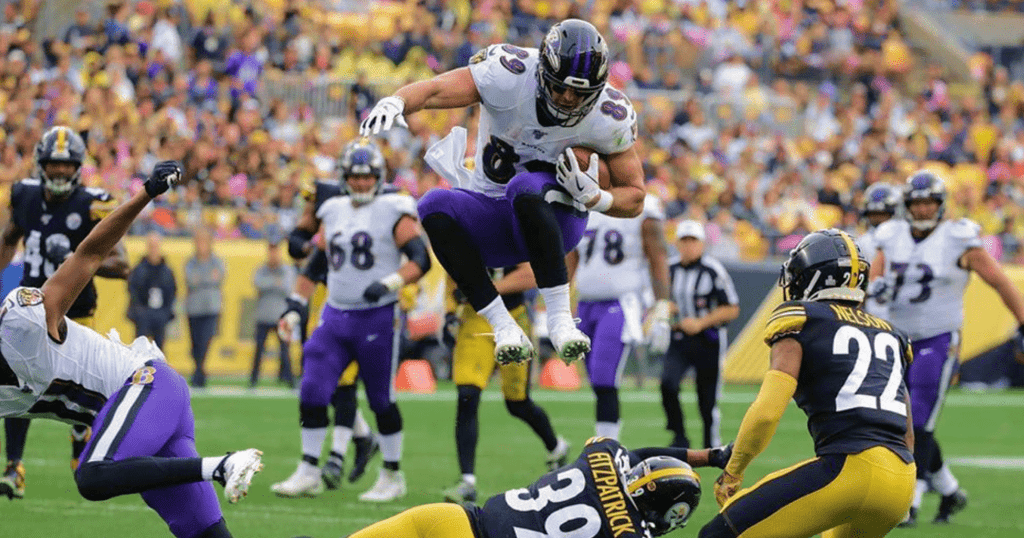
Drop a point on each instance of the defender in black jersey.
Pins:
(608, 492)
(844, 368)
(53, 213)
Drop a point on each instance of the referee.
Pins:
(705, 301)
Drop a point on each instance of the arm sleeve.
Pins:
(762, 418)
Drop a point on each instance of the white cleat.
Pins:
(304, 482)
(390, 485)
(569, 342)
(235, 472)
(560, 455)
(511, 345)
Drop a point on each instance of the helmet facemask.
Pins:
(60, 186)
(925, 185)
(573, 56)
(362, 158)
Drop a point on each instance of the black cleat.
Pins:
(366, 449)
(950, 505)
(910, 521)
(331, 473)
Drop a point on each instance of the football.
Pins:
(583, 158)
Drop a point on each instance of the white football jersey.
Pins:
(928, 281)
(868, 247)
(510, 135)
(612, 261)
(67, 381)
(361, 246)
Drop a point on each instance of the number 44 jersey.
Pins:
(925, 276)
(585, 499)
(360, 245)
(510, 134)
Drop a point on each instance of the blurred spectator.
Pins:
(204, 274)
(152, 292)
(273, 281)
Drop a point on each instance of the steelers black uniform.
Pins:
(851, 387)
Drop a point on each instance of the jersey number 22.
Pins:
(884, 346)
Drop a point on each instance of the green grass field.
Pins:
(981, 434)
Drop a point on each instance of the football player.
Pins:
(366, 234)
(53, 213)
(608, 492)
(472, 366)
(844, 367)
(527, 196)
(922, 267)
(52, 367)
(609, 266)
(881, 200)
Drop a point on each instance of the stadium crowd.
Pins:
(764, 119)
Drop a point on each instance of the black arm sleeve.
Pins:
(640, 454)
(416, 250)
(297, 240)
(315, 267)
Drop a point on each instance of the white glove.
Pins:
(387, 112)
(659, 335)
(880, 291)
(288, 326)
(582, 185)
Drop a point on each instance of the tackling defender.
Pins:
(527, 197)
(52, 367)
(844, 368)
(921, 268)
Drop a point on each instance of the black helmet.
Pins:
(60, 145)
(826, 265)
(362, 157)
(925, 185)
(665, 490)
(573, 55)
(880, 198)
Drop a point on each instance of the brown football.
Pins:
(583, 158)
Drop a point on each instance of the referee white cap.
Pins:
(690, 228)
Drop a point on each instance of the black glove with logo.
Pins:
(166, 174)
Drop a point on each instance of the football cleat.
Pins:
(949, 505)
(560, 455)
(78, 444)
(306, 481)
(569, 342)
(235, 472)
(461, 492)
(390, 485)
(511, 345)
(366, 449)
(910, 521)
(12, 483)
(331, 473)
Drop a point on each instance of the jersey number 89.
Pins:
(585, 519)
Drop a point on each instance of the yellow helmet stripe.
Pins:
(854, 259)
(672, 471)
(61, 146)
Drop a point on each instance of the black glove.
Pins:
(719, 456)
(1018, 342)
(166, 174)
(374, 292)
(57, 253)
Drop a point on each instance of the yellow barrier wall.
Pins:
(987, 323)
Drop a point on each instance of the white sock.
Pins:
(944, 481)
(919, 489)
(340, 440)
(469, 479)
(307, 468)
(209, 465)
(556, 299)
(608, 429)
(496, 314)
(313, 441)
(360, 428)
(391, 447)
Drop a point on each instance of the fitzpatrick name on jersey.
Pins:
(612, 261)
(360, 245)
(510, 135)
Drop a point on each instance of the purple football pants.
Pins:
(369, 337)
(602, 321)
(928, 377)
(151, 415)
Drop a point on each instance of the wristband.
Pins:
(393, 282)
(604, 202)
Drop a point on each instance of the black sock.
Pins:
(543, 237)
(924, 448)
(16, 430)
(535, 417)
(217, 530)
(467, 427)
(101, 480)
(454, 248)
(673, 410)
(936, 456)
(345, 405)
(607, 404)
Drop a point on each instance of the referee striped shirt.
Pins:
(700, 287)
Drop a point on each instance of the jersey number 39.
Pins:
(583, 519)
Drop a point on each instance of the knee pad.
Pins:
(345, 405)
(469, 401)
(389, 420)
(94, 481)
(607, 404)
(313, 416)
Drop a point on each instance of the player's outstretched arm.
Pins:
(706, 457)
(9, 243)
(980, 261)
(116, 264)
(452, 89)
(61, 289)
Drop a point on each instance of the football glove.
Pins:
(57, 253)
(382, 287)
(879, 290)
(726, 486)
(166, 174)
(719, 456)
(659, 335)
(387, 112)
(582, 185)
(1018, 342)
(293, 318)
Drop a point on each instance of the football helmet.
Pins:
(60, 145)
(880, 198)
(665, 490)
(362, 157)
(925, 185)
(825, 265)
(573, 55)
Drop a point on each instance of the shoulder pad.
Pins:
(964, 229)
(594, 440)
(402, 203)
(653, 208)
(888, 230)
(101, 207)
(500, 72)
(99, 193)
(787, 319)
(29, 296)
(615, 127)
(30, 182)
